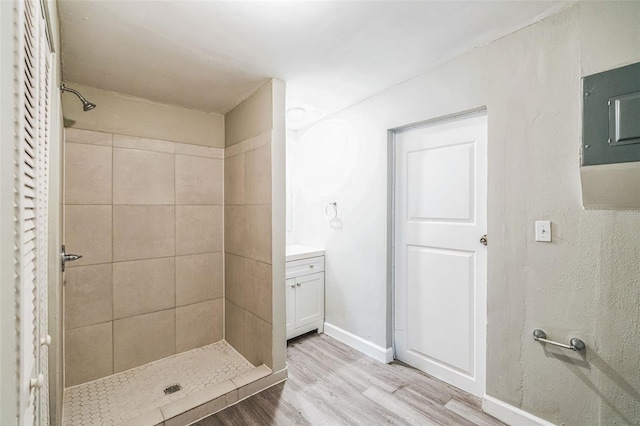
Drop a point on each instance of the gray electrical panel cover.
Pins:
(611, 116)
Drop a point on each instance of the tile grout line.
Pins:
(145, 313)
(149, 205)
(113, 323)
(140, 260)
(244, 245)
(224, 242)
(175, 256)
(142, 138)
(211, 157)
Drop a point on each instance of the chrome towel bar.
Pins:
(575, 344)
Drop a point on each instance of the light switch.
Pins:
(543, 230)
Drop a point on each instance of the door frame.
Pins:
(391, 214)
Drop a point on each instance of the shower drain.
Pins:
(172, 389)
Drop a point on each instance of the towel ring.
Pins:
(331, 210)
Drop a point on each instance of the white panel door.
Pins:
(440, 264)
(309, 299)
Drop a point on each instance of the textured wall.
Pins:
(128, 115)
(610, 37)
(147, 216)
(585, 283)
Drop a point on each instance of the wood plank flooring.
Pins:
(331, 384)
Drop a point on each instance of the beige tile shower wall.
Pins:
(147, 215)
(248, 241)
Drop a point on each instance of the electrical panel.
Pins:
(611, 116)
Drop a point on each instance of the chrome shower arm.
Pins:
(86, 105)
(64, 88)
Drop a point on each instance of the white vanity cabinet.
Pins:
(305, 291)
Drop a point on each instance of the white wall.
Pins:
(586, 283)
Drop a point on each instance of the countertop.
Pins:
(297, 252)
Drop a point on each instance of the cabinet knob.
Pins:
(293, 286)
(298, 284)
(311, 266)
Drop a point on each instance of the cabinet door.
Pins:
(309, 298)
(291, 305)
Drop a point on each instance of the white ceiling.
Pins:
(210, 55)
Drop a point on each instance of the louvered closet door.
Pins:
(33, 60)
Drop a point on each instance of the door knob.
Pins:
(483, 240)
(64, 257)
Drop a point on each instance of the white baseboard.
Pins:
(358, 343)
(510, 414)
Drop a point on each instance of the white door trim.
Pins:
(391, 200)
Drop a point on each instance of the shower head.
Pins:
(86, 105)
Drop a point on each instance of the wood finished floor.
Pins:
(331, 384)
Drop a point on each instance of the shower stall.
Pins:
(174, 311)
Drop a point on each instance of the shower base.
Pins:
(211, 378)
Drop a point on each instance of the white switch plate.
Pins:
(543, 230)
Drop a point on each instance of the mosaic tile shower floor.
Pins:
(123, 396)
